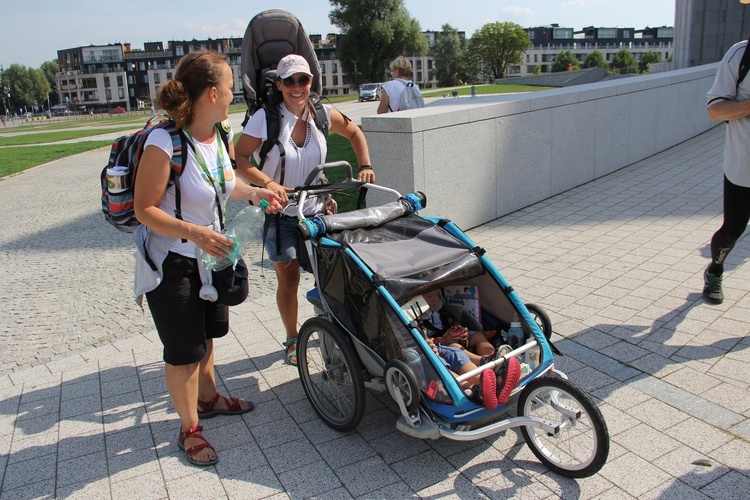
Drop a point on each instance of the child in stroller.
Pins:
(453, 342)
(444, 329)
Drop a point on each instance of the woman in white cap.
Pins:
(305, 148)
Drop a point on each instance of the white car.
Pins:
(369, 92)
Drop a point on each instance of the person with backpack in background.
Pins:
(178, 221)
(394, 92)
(729, 100)
(305, 148)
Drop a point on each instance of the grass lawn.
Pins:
(45, 137)
(484, 89)
(13, 160)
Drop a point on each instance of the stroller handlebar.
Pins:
(362, 218)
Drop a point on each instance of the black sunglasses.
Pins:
(302, 80)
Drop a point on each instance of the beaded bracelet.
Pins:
(269, 181)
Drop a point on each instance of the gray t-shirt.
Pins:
(737, 144)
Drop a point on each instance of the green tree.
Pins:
(594, 59)
(28, 86)
(448, 54)
(50, 69)
(646, 60)
(498, 45)
(373, 33)
(565, 60)
(18, 79)
(624, 62)
(40, 86)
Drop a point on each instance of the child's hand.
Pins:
(432, 345)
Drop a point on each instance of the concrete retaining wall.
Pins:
(480, 158)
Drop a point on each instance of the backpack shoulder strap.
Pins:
(320, 114)
(273, 130)
(224, 134)
(744, 64)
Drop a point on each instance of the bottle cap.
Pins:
(264, 204)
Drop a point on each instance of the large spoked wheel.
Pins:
(331, 374)
(580, 447)
(400, 380)
(541, 318)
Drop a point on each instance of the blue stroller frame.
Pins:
(371, 267)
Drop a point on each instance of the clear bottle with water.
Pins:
(515, 333)
(246, 226)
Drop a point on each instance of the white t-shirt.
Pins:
(395, 88)
(300, 161)
(197, 196)
(737, 143)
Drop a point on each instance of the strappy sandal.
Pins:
(208, 410)
(291, 357)
(194, 433)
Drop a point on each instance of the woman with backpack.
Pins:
(305, 148)
(179, 219)
(391, 97)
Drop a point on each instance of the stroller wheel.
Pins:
(580, 446)
(331, 374)
(400, 380)
(541, 318)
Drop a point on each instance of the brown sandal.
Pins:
(207, 410)
(194, 433)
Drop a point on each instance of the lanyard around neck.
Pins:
(204, 167)
(220, 161)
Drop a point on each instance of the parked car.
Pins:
(118, 110)
(369, 92)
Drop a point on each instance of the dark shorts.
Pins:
(452, 357)
(184, 320)
(289, 240)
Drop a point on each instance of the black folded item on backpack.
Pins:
(231, 284)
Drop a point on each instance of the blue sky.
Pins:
(33, 31)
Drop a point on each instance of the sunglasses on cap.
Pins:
(302, 80)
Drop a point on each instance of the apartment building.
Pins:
(549, 41)
(102, 77)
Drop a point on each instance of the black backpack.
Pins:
(269, 36)
(744, 64)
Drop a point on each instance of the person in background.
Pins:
(305, 148)
(392, 90)
(729, 100)
(197, 99)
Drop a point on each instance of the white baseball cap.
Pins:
(293, 64)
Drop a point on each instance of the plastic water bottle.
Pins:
(414, 360)
(246, 226)
(515, 333)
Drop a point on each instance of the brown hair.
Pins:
(196, 72)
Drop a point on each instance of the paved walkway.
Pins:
(617, 263)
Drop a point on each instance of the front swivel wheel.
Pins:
(579, 445)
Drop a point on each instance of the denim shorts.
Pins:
(289, 239)
(452, 357)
